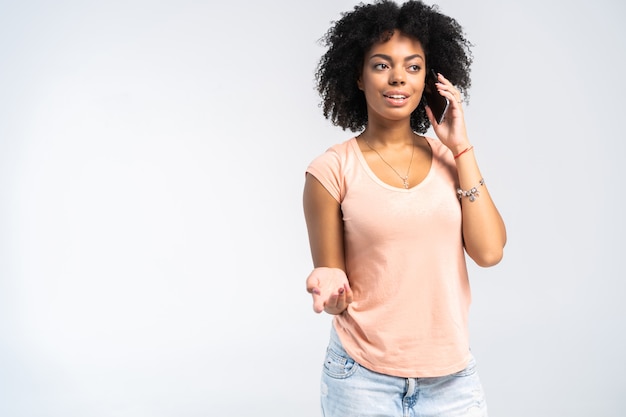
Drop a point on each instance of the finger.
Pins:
(429, 114)
(348, 295)
(311, 284)
(442, 79)
(456, 97)
(450, 93)
(336, 300)
(341, 298)
(318, 303)
(332, 301)
(446, 86)
(344, 297)
(313, 290)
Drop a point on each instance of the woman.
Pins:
(390, 215)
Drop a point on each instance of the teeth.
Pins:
(397, 97)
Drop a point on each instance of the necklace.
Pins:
(405, 179)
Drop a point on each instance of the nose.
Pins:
(396, 77)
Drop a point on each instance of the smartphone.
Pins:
(437, 103)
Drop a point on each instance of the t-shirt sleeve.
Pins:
(326, 168)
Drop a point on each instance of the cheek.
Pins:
(419, 88)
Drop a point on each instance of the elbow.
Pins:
(488, 258)
(487, 253)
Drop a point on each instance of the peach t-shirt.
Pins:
(405, 263)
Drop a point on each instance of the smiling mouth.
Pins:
(396, 96)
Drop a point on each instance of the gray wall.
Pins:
(153, 250)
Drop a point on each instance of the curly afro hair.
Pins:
(447, 50)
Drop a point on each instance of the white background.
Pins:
(153, 250)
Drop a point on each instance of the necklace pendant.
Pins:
(405, 179)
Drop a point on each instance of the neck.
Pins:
(389, 135)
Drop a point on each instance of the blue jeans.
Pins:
(350, 390)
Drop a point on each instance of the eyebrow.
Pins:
(388, 58)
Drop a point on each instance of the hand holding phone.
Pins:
(437, 103)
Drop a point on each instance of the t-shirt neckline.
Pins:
(357, 150)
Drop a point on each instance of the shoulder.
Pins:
(335, 156)
(440, 151)
(330, 167)
(443, 160)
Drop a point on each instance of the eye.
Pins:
(414, 68)
(381, 66)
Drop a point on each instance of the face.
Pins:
(393, 78)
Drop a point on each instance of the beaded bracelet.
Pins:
(472, 193)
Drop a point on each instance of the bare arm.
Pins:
(327, 283)
(484, 232)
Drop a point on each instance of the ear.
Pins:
(359, 83)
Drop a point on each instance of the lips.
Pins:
(396, 98)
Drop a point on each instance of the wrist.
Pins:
(462, 151)
(455, 148)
